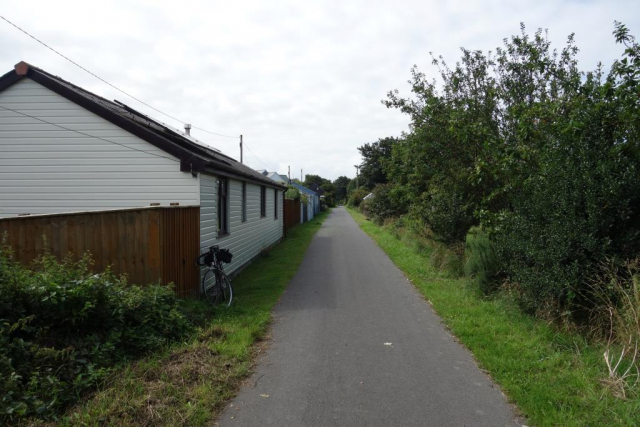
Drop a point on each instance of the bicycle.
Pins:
(216, 286)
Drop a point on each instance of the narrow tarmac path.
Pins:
(354, 344)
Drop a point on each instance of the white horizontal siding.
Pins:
(46, 169)
(245, 239)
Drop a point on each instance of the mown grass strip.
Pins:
(553, 376)
(187, 384)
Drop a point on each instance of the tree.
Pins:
(341, 184)
(325, 184)
(374, 156)
(315, 179)
(544, 157)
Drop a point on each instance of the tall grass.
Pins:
(482, 263)
(614, 298)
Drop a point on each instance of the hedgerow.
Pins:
(543, 157)
(63, 328)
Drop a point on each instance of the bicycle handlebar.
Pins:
(199, 260)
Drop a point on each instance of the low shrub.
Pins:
(448, 258)
(384, 203)
(292, 193)
(365, 207)
(62, 329)
(356, 197)
(446, 211)
(482, 263)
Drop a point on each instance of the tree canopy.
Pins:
(543, 156)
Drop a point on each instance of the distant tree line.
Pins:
(522, 148)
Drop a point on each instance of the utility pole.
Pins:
(240, 148)
(301, 180)
(289, 174)
(357, 176)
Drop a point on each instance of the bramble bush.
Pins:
(63, 328)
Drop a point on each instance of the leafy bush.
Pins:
(482, 263)
(582, 204)
(292, 193)
(356, 197)
(62, 328)
(384, 203)
(545, 157)
(447, 212)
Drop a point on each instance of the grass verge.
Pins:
(188, 383)
(554, 377)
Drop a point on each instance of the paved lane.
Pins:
(354, 344)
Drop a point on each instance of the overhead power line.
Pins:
(256, 157)
(106, 82)
(119, 90)
(108, 140)
(88, 135)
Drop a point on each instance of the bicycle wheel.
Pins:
(216, 287)
(225, 288)
(210, 289)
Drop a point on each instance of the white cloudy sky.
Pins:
(302, 80)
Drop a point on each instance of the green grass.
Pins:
(553, 376)
(188, 384)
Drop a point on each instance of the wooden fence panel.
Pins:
(146, 244)
(291, 213)
(180, 246)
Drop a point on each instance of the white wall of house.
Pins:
(46, 169)
(310, 210)
(246, 238)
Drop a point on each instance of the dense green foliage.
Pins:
(62, 329)
(543, 156)
(383, 204)
(374, 156)
(292, 193)
(356, 197)
(482, 263)
(341, 185)
(327, 189)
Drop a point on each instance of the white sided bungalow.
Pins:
(65, 149)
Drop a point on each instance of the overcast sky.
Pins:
(303, 80)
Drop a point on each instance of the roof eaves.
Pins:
(217, 168)
(8, 79)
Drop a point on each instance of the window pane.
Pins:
(223, 213)
(275, 204)
(244, 201)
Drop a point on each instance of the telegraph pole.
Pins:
(240, 148)
(357, 175)
(301, 180)
(289, 174)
